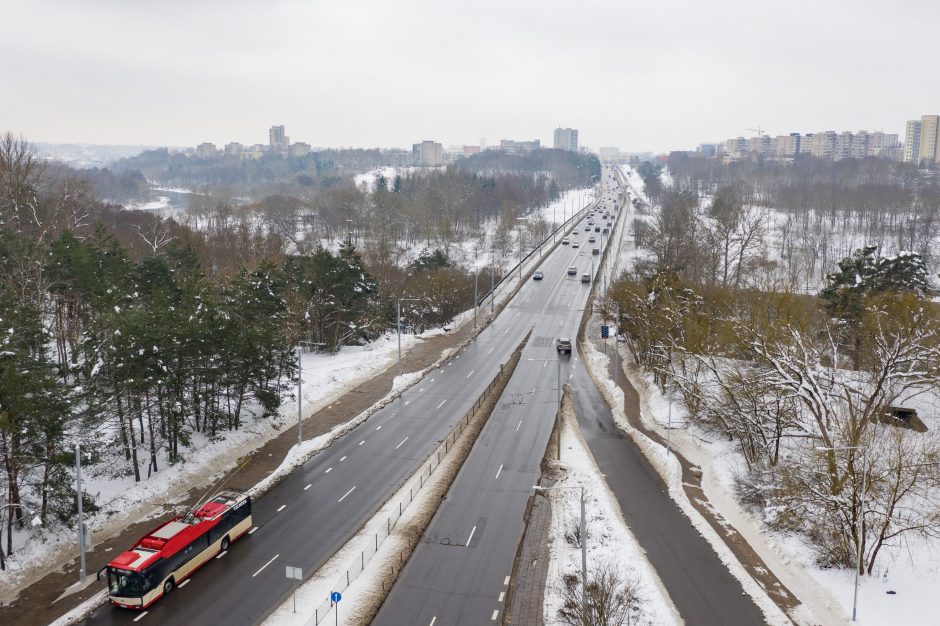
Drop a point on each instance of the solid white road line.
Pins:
(402, 441)
(141, 616)
(252, 531)
(346, 494)
(265, 565)
(470, 538)
(281, 508)
(186, 582)
(442, 403)
(499, 471)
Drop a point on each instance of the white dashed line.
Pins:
(433, 619)
(407, 402)
(431, 381)
(495, 615)
(379, 427)
(310, 485)
(468, 376)
(490, 350)
(219, 556)
(186, 582)
(141, 616)
(470, 538)
(346, 494)
(499, 471)
(251, 532)
(328, 470)
(420, 390)
(265, 565)
(506, 581)
(342, 459)
(519, 426)
(502, 596)
(360, 443)
(441, 404)
(402, 442)
(281, 508)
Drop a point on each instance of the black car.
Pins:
(537, 275)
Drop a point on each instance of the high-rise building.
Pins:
(736, 146)
(912, 141)
(788, 145)
(299, 149)
(206, 150)
(929, 153)
(278, 140)
(428, 154)
(566, 139)
(234, 148)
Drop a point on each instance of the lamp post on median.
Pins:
(300, 401)
(398, 328)
(861, 516)
(583, 535)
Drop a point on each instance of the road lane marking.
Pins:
(502, 596)
(219, 556)
(362, 442)
(442, 403)
(265, 565)
(431, 381)
(379, 427)
(470, 374)
(342, 459)
(470, 538)
(346, 494)
(544, 363)
(250, 532)
(310, 485)
(506, 581)
(433, 619)
(141, 616)
(402, 442)
(517, 427)
(499, 471)
(407, 402)
(420, 390)
(490, 350)
(495, 615)
(328, 470)
(281, 508)
(186, 582)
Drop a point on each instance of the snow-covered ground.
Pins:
(609, 540)
(122, 501)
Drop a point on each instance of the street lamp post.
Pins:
(398, 328)
(81, 517)
(300, 375)
(583, 535)
(861, 517)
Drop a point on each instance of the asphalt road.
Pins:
(459, 572)
(314, 511)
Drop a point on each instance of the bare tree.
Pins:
(609, 601)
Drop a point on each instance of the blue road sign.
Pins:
(335, 597)
(605, 331)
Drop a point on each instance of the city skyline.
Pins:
(641, 77)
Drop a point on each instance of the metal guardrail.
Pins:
(418, 482)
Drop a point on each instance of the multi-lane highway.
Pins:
(314, 511)
(459, 573)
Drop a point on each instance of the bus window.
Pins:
(123, 583)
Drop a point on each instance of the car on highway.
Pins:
(597, 228)
(605, 230)
(596, 251)
(592, 239)
(537, 275)
(563, 344)
(572, 271)
(565, 241)
(574, 244)
(585, 278)
(587, 228)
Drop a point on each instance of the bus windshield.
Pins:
(123, 583)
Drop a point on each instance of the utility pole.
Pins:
(81, 517)
(300, 401)
(398, 329)
(476, 280)
(584, 602)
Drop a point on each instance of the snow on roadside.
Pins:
(609, 539)
(668, 467)
(122, 501)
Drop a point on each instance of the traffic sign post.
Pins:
(297, 574)
(335, 597)
(605, 333)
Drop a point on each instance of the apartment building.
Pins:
(566, 139)
(427, 154)
(929, 153)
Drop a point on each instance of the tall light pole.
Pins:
(300, 401)
(861, 516)
(476, 280)
(583, 535)
(398, 328)
(81, 517)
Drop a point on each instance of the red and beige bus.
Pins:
(171, 552)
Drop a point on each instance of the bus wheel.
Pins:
(225, 543)
(168, 586)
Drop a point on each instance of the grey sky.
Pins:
(654, 75)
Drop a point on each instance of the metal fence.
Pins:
(414, 484)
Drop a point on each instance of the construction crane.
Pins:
(758, 130)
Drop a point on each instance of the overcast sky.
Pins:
(650, 75)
